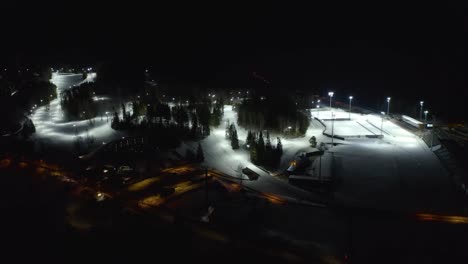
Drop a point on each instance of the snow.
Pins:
(219, 155)
(50, 124)
(396, 172)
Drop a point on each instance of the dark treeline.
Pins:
(277, 114)
(21, 89)
(262, 151)
(77, 102)
(25, 89)
(167, 126)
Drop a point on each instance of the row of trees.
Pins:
(77, 102)
(262, 152)
(186, 122)
(196, 120)
(260, 114)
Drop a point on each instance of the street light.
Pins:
(350, 99)
(381, 125)
(388, 105)
(421, 110)
(318, 112)
(433, 130)
(107, 117)
(331, 95)
(333, 126)
(425, 116)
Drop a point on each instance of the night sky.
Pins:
(410, 52)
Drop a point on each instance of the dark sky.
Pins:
(405, 51)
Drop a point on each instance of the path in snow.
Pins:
(52, 126)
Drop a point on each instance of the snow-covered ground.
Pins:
(51, 125)
(220, 156)
(396, 172)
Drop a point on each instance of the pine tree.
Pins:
(234, 138)
(124, 112)
(279, 151)
(268, 141)
(253, 155)
(200, 156)
(249, 140)
(313, 141)
(260, 148)
(115, 124)
(232, 127)
(279, 147)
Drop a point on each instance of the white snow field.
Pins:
(397, 172)
(51, 125)
(220, 156)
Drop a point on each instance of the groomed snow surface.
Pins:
(397, 172)
(52, 127)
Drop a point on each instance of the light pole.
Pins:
(388, 105)
(333, 126)
(318, 112)
(331, 95)
(425, 116)
(432, 132)
(350, 99)
(381, 125)
(421, 110)
(107, 117)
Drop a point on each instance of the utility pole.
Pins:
(333, 119)
(381, 124)
(388, 105)
(421, 110)
(433, 130)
